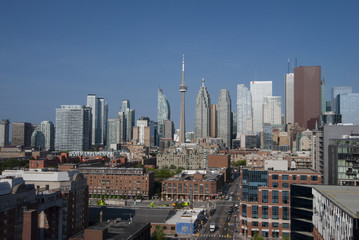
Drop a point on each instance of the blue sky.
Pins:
(54, 53)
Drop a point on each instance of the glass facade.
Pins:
(250, 182)
(244, 110)
(348, 107)
(163, 112)
(202, 113)
(259, 90)
(224, 117)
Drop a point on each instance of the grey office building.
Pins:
(224, 117)
(73, 128)
(348, 107)
(4, 132)
(99, 112)
(48, 129)
(335, 92)
(21, 134)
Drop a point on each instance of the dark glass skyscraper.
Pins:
(307, 96)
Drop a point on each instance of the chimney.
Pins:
(101, 215)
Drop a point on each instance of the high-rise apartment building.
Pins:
(307, 97)
(348, 107)
(202, 113)
(259, 90)
(127, 120)
(48, 129)
(163, 112)
(272, 110)
(21, 134)
(73, 128)
(4, 132)
(244, 110)
(224, 117)
(99, 113)
(335, 92)
(102, 121)
(113, 133)
(289, 98)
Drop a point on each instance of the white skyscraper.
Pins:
(73, 127)
(93, 104)
(289, 98)
(127, 121)
(244, 110)
(259, 90)
(272, 110)
(4, 132)
(102, 121)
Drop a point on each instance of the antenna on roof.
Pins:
(296, 61)
(288, 64)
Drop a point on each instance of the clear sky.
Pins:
(54, 53)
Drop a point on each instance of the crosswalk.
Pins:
(213, 235)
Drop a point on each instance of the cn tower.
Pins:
(183, 89)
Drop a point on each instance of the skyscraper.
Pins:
(202, 113)
(127, 121)
(99, 112)
(73, 128)
(163, 112)
(323, 97)
(183, 89)
(92, 103)
(307, 100)
(113, 133)
(244, 110)
(335, 92)
(289, 98)
(348, 107)
(224, 117)
(102, 121)
(38, 139)
(48, 129)
(213, 121)
(259, 90)
(272, 110)
(21, 134)
(4, 132)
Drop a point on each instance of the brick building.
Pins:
(61, 206)
(201, 184)
(265, 200)
(115, 182)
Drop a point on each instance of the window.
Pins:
(285, 197)
(285, 177)
(254, 211)
(255, 224)
(285, 185)
(172, 228)
(264, 224)
(314, 178)
(275, 212)
(244, 210)
(303, 177)
(275, 225)
(285, 225)
(265, 196)
(285, 213)
(265, 212)
(274, 185)
(275, 177)
(274, 196)
(294, 177)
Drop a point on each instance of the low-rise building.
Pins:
(119, 182)
(193, 184)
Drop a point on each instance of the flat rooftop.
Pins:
(185, 216)
(345, 197)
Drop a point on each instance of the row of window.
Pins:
(265, 212)
(266, 224)
(294, 177)
(275, 194)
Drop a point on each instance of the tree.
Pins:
(257, 236)
(158, 234)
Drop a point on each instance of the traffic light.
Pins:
(197, 234)
(229, 224)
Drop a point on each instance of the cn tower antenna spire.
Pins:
(183, 89)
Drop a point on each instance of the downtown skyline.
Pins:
(55, 54)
